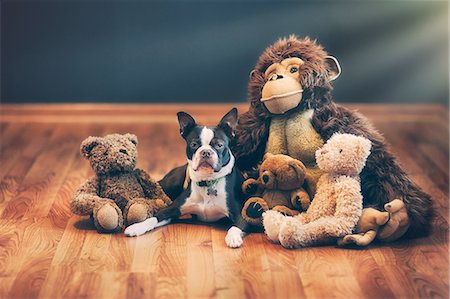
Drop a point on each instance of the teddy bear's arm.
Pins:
(252, 187)
(300, 199)
(152, 188)
(85, 198)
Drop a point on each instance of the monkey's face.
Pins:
(282, 90)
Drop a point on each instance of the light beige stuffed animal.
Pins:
(337, 204)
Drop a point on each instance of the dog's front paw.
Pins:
(234, 237)
(141, 228)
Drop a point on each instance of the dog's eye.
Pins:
(219, 145)
(194, 144)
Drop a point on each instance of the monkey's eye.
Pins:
(194, 144)
(293, 69)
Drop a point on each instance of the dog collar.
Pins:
(207, 183)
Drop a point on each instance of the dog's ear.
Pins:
(186, 122)
(229, 122)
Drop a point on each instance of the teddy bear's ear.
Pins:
(299, 168)
(267, 156)
(132, 138)
(364, 147)
(88, 144)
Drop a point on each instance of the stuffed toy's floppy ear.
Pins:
(333, 67)
(88, 144)
(186, 122)
(132, 138)
(229, 122)
(299, 168)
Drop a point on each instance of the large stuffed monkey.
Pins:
(292, 112)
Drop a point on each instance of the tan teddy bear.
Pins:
(118, 190)
(337, 204)
(280, 187)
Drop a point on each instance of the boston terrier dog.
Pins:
(214, 189)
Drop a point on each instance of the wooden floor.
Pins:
(46, 252)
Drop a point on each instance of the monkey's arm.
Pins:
(382, 179)
(252, 133)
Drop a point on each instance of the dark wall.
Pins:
(138, 51)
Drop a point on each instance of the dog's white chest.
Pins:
(207, 207)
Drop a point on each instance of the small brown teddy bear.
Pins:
(118, 191)
(337, 204)
(280, 187)
(392, 221)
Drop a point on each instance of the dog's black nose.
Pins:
(123, 151)
(265, 178)
(206, 153)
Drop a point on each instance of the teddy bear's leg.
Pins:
(362, 239)
(300, 199)
(107, 216)
(272, 221)
(253, 209)
(140, 209)
(285, 210)
(294, 234)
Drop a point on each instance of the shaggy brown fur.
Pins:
(382, 179)
(118, 193)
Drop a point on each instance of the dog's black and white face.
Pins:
(207, 148)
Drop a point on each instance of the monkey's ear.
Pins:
(333, 67)
(186, 122)
(229, 122)
(251, 74)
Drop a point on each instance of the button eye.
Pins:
(340, 151)
(293, 69)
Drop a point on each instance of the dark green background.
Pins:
(147, 51)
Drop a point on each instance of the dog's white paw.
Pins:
(141, 228)
(234, 237)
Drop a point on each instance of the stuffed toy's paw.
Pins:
(398, 222)
(138, 210)
(291, 233)
(301, 200)
(250, 186)
(285, 211)
(272, 221)
(107, 216)
(253, 209)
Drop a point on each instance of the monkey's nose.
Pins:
(276, 77)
